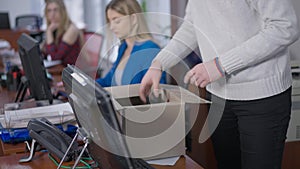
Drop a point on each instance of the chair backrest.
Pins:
(29, 22)
(92, 46)
(4, 20)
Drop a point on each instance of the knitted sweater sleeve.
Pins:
(278, 31)
(183, 42)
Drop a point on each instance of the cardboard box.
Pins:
(157, 130)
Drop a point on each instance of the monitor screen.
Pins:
(4, 20)
(34, 69)
(96, 115)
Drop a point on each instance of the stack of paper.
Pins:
(56, 113)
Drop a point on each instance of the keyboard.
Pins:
(141, 164)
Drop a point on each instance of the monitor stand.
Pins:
(84, 135)
(22, 88)
(31, 150)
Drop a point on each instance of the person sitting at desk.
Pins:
(63, 39)
(137, 48)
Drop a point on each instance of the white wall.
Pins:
(94, 14)
(159, 19)
(93, 10)
(76, 12)
(20, 7)
(162, 7)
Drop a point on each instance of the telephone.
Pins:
(50, 137)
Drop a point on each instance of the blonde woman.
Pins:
(63, 38)
(137, 48)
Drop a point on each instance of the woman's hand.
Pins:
(53, 26)
(151, 78)
(49, 32)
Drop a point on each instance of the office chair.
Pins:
(92, 46)
(93, 42)
(31, 22)
(4, 20)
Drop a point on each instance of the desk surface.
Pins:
(41, 160)
(11, 36)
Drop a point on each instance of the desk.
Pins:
(8, 149)
(9, 97)
(56, 71)
(41, 160)
(201, 153)
(12, 36)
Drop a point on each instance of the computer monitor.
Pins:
(4, 20)
(34, 69)
(95, 114)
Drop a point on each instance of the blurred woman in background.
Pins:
(63, 38)
(137, 48)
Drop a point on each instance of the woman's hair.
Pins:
(64, 18)
(129, 7)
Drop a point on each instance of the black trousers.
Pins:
(251, 134)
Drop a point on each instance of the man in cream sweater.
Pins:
(244, 47)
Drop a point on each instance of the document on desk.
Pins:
(2, 121)
(50, 63)
(57, 114)
(4, 44)
(165, 161)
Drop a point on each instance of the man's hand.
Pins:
(151, 78)
(204, 73)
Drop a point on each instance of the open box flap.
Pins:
(126, 91)
(184, 95)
